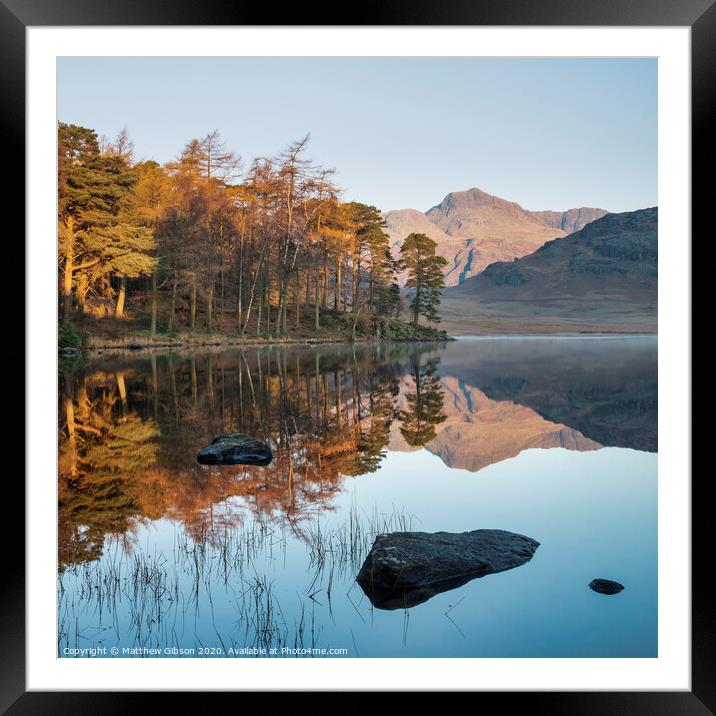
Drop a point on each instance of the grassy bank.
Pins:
(87, 333)
(550, 320)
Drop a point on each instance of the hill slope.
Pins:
(600, 278)
(474, 229)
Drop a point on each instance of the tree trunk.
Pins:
(222, 297)
(356, 281)
(67, 280)
(324, 282)
(317, 308)
(284, 318)
(81, 291)
(210, 305)
(175, 282)
(153, 325)
(298, 300)
(259, 311)
(67, 283)
(239, 302)
(119, 311)
(416, 310)
(267, 301)
(281, 313)
(192, 310)
(345, 286)
(355, 323)
(337, 292)
(252, 293)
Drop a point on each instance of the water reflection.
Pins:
(130, 430)
(424, 401)
(605, 388)
(130, 427)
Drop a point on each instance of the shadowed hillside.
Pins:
(601, 278)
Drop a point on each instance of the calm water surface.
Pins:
(552, 438)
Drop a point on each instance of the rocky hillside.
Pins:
(474, 229)
(605, 274)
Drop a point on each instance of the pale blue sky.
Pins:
(547, 133)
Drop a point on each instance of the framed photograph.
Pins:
(359, 357)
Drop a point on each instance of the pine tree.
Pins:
(425, 275)
(371, 254)
(78, 149)
(100, 232)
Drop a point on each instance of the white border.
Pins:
(671, 670)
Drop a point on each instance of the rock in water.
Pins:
(235, 449)
(606, 586)
(407, 568)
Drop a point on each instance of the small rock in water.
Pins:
(235, 449)
(407, 568)
(605, 586)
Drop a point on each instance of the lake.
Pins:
(552, 438)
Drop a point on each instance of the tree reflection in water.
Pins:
(129, 431)
(425, 404)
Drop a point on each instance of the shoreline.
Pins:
(140, 344)
(522, 336)
(137, 346)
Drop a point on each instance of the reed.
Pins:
(166, 599)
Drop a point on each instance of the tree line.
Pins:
(205, 243)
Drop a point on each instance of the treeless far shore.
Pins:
(631, 324)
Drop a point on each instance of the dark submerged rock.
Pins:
(404, 569)
(235, 449)
(605, 586)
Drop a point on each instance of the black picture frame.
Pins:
(699, 15)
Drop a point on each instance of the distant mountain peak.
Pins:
(473, 229)
(470, 199)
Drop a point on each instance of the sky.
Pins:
(400, 132)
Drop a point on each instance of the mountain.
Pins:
(474, 229)
(600, 278)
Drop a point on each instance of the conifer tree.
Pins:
(101, 234)
(425, 275)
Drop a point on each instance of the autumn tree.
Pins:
(151, 196)
(274, 248)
